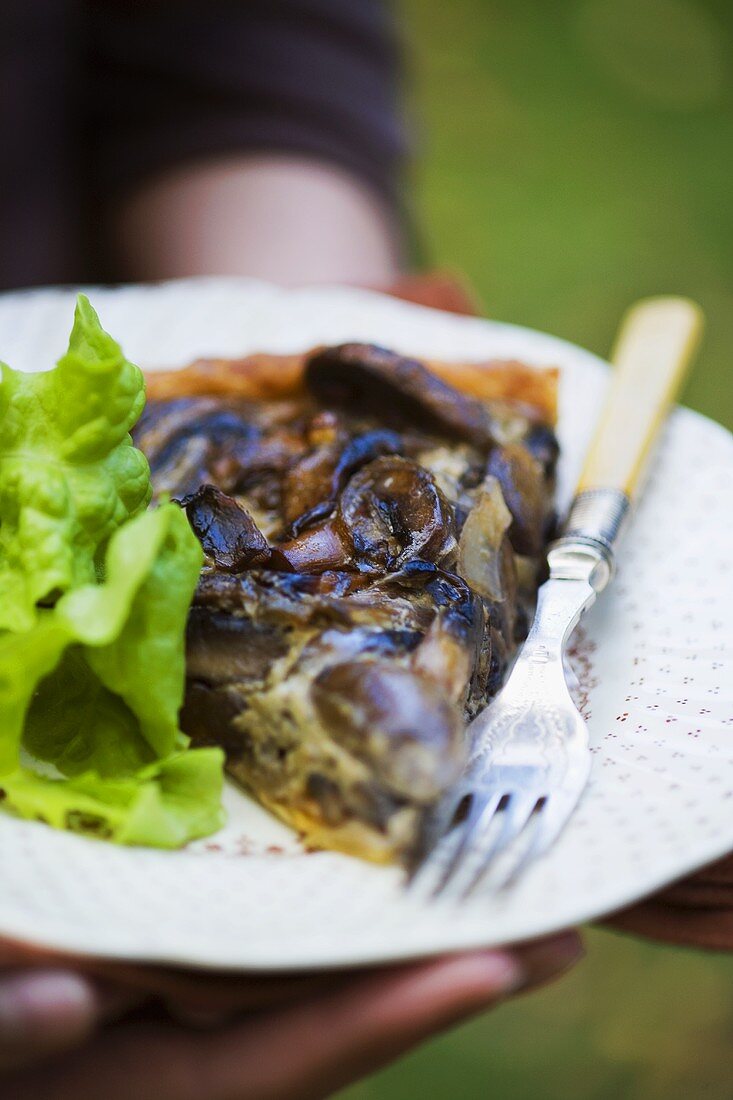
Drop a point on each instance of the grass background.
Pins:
(572, 156)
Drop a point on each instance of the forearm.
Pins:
(283, 218)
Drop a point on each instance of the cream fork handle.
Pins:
(653, 352)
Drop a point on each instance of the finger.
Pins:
(115, 1001)
(113, 996)
(296, 1053)
(208, 1008)
(42, 1012)
(545, 960)
(384, 1017)
(196, 996)
(206, 994)
(655, 920)
(205, 999)
(360, 1029)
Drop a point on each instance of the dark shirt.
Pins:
(96, 96)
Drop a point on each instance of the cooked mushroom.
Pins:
(256, 469)
(397, 721)
(369, 379)
(541, 441)
(526, 493)
(209, 715)
(311, 486)
(182, 439)
(222, 648)
(295, 599)
(393, 512)
(226, 531)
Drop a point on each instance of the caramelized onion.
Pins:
(314, 551)
(526, 494)
(485, 559)
(308, 486)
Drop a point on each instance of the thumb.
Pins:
(43, 1011)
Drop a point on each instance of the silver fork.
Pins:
(530, 759)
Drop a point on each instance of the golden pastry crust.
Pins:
(263, 376)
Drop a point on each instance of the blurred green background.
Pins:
(575, 155)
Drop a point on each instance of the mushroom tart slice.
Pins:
(373, 539)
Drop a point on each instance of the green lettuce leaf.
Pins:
(89, 698)
(165, 805)
(90, 688)
(69, 474)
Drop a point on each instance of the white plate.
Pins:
(653, 659)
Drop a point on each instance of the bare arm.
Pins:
(283, 218)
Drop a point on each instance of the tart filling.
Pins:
(374, 537)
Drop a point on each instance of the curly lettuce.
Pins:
(92, 632)
(69, 474)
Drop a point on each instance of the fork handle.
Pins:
(653, 351)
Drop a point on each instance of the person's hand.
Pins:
(225, 1038)
(696, 912)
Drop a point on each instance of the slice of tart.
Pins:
(374, 530)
